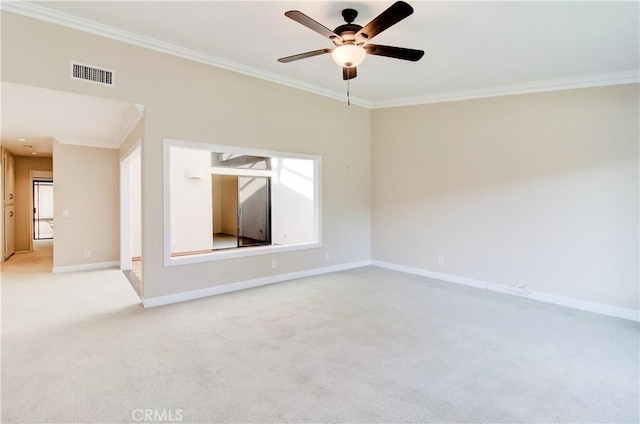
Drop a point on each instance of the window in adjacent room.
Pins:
(224, 201)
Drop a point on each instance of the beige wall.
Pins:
(24, 201)
(229, 204)
(195, 102)
(537, 189)
(86, 183)
(225, 204)
(216, 200)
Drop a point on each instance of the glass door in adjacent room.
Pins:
(254, 211)
(42, 210)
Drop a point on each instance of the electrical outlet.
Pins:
(440, 261)
(87, 253)
(274, 263)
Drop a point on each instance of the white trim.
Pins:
(601, 80)
(249, 151)
(134, 152)
(133, 149)
(85, 267)
(135, 116)
(125, 214)
(243, 252)
(614, 311)
(241, 285)
(87, 142)
(241, 172)
(38, 174)
(70, 21)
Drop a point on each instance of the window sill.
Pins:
(242, 252)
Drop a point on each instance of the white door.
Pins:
(9, 231)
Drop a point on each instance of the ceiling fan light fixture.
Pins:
(348, 55)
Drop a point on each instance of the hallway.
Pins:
(34, 298)
(38, 261)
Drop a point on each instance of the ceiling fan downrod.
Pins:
(349, 15)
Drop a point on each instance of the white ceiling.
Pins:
(39, 116)
(473, 49)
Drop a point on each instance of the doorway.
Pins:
(41, 202)
(42, 209)
(131, 216)
(241, 211)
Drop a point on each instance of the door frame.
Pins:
(39, 182)
(37, 175)
(134, 152)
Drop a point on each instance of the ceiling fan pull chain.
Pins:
(348, 93)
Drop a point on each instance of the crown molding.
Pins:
(601, 80)
(85, 142)
(135, 116)
(49, 15)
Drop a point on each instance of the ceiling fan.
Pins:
(351, 40)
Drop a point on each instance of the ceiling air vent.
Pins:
(91, 73)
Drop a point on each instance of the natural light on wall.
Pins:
(226, 202)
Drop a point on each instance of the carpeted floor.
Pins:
(368, 345)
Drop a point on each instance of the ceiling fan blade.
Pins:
(394, 52)
(304, 55)
(349, 73)
(394, 14)
(303, 19)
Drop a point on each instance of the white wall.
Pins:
(136, 207)
(293, 200)
(538, 190)
(130, 154)
(191, 201)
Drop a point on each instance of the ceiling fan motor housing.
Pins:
(350, 38)
(348, 33)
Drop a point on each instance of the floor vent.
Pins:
(91, 73)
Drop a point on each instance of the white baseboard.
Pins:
(241, 285)
(614, 311)
(85, 267)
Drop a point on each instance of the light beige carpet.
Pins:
(367, 345)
